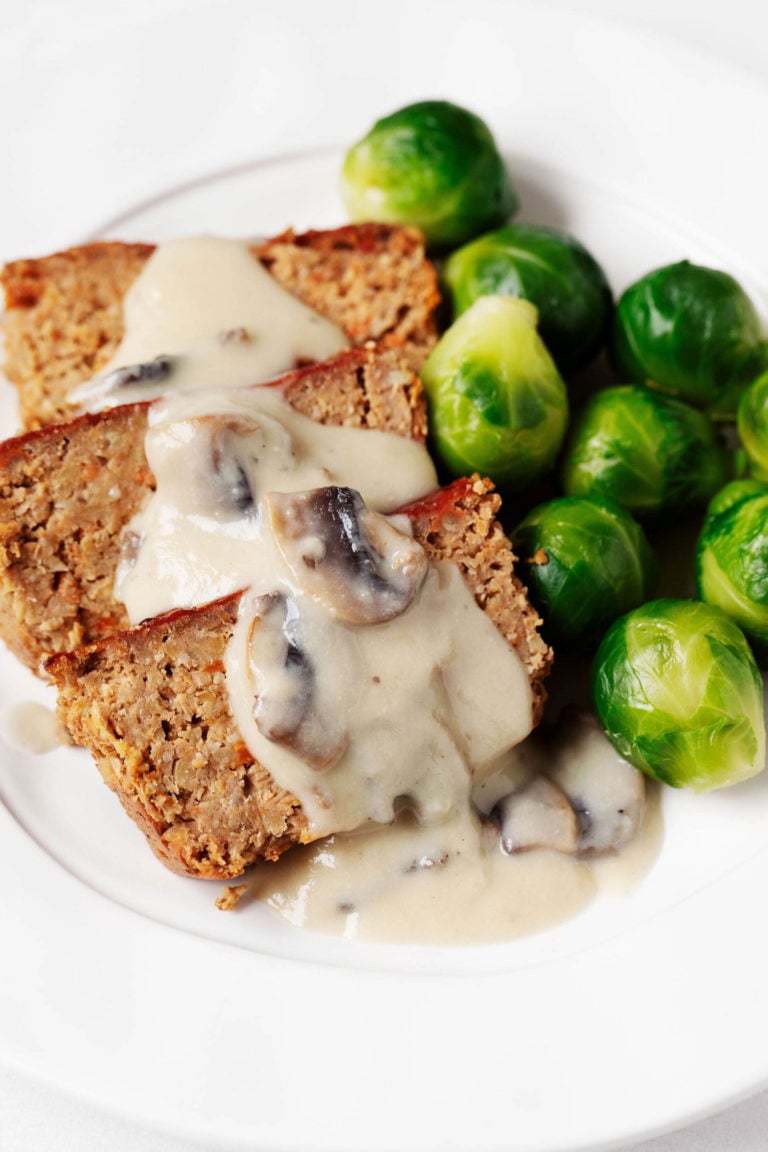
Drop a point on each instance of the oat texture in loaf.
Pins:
(66, 494)
(151, 704)
(68, 491)
(64, 313)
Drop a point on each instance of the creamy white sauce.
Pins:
(420, 722)
(211, 306)
(451, 883)
(197, 544)
(32, 728)
(402, 733)
(441, 884)
(421, 702)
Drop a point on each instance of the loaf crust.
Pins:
(68, 491)
(459, 523)
(64, 312)
(151, 704)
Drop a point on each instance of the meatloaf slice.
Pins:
(64, 313)
(67, 492)
(151, 703)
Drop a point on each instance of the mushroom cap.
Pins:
(351, 559)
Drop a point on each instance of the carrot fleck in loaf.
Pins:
(151, 703)
(68, 491)
(64, 312)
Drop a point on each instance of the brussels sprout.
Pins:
(732, 559)
(691, 332)
(679, 695)
(733, 492)
(585, 562)
(497, 403)
(752, 423)
(654, 455)
(549, 268)
(434, 165)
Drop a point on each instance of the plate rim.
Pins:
(46, 881)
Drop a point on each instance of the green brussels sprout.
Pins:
(434, 165)
(679, 694)
(585, 562)
(497, 403)
(733, 492)
(549, 268)
(656, 456)
(732, 559)
(691, 332)
(752, 423)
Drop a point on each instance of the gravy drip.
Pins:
(418, 719)
(450, 883)
(214, 317)
(420, 701)
(215, 455)
(32, 728)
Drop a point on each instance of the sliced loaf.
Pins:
(67, 491)
(64, 312)
(151, 703)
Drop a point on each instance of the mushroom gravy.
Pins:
(476, 877)
(215, 455)
(366, 680)
(362, 688)
(203, 312)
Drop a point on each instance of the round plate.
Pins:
(123, 983)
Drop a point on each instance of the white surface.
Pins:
(103, 128)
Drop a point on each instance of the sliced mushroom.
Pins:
(149, 374)
(232, 487)
(352, 560)
(218, 457)
(538, 815)
(509, 773)
(285, 710)
(606, 793)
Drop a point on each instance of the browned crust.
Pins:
(64, 314)
(68, 491)
(180, 766)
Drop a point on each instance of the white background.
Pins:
(52, 198)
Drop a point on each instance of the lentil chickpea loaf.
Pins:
(67, 492)
(64, 312)
(151, 703)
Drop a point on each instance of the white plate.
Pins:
(122, 983)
